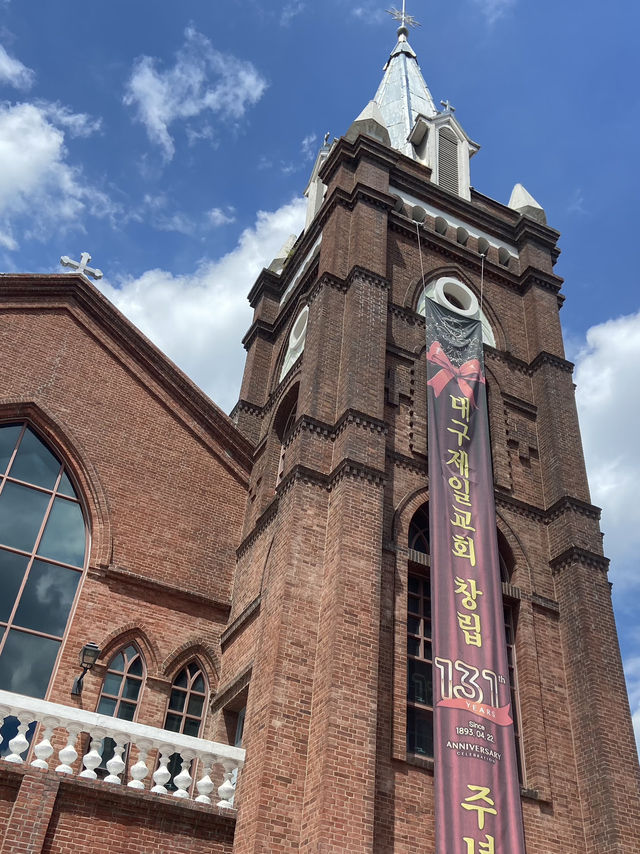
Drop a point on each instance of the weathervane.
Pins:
(404, 19)
(81, 265)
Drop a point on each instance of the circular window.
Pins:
(456, 296)
(297, 338)
(452, 294)
(299, 330)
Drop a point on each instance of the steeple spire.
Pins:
(403, 94)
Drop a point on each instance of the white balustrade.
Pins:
(153, 747)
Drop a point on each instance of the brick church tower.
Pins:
(258, 587)
(331, 599)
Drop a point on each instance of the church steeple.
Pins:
(403, 95)
(404, 110)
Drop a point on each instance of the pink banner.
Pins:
(477, 792)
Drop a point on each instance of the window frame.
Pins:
(26, 424)
(120, 650)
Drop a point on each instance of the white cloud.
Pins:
(202, 81)
(607, 381)
(370, 13)
(494, 9)
(308, 146)
(77, 124)
(13, 72)
(218, 217)
(577, 203)
(290, 11)
(198, 318)
(632, 673)
(40, 191)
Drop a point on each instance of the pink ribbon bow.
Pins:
(465, 375)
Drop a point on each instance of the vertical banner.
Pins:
(477, 793)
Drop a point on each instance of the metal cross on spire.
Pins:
(401, 16)
(81, 265)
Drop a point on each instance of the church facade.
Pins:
(258, 586)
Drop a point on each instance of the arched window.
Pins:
(43, 547)
(185, 711)
(284, 423)
(419, 531)
(120, 693)
(122, 684)
(419, 641)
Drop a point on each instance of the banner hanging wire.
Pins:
(420, 253)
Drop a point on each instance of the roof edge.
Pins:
(74, 288)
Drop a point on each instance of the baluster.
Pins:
(44, 749)
(94, 757)
(19, 743)
(228, 788)
(69, 754)
(162, 775)
(183, 780)
(140, 770)
(205, 783)
(116, 765)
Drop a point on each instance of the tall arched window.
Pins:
(43, 546)
(284, 423)
(419, 641)
(187, 700)
(122, 684)
(186, 709)
(120, 692)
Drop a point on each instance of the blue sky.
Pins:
(174, 140)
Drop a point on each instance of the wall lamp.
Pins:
(89, 654)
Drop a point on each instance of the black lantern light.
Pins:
(89, 654)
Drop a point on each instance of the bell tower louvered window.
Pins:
(448, 160)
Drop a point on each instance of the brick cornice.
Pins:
(267, 282)
(532, 277)
(263, 522)
(347, 468)
(231, 689)
(62, 290)
(349, 153)
(574, 555)
(121, 576)
(258, 329)
(332, 431)
(339, 283)
(410, 463)
(544, 358)
(529, 368)
(566, 504)
(253, 609)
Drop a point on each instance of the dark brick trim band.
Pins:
(118, 575)
(575, 555)
(240, 621)
(232, 689)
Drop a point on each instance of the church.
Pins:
(216, 631)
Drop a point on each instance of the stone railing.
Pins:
(153, 748)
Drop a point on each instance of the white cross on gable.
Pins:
(81, 265)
